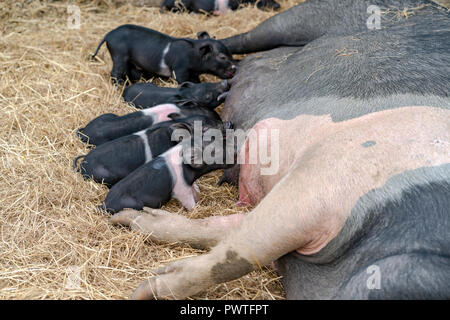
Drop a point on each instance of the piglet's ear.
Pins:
(184, 131)
(206, 51)
(187, 84)
(203, 35)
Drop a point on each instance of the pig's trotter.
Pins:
(144, 291)
(187, 277)
(176, 280)
(126, 218)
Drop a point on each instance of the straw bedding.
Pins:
(54, 243)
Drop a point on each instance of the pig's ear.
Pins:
(206, 51)
(203, 35)
(187, 84)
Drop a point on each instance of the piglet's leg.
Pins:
(180, 71)
(164, 226)
(196, 192)
(188, 197)
(120, 67)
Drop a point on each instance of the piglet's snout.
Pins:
(231, 71)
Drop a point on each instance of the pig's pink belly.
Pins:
(325, 167)
(295, 136)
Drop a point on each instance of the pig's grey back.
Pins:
(350, 74)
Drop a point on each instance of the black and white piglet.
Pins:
(141, 52)
(109, 126)
(166, 176)
(147, 95)
(216, 7)
(114, 160)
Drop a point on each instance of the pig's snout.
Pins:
(231, 71)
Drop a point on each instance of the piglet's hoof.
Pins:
(196, 192)
(152, 289)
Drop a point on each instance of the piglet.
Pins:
(166, 176)
(147, 95)
(109, 126)
(114, 160)
(141, 52)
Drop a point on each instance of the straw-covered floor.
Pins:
(54, 243)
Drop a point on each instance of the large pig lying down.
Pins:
(357, 202)
(330, 199)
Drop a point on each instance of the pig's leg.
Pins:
(134, 74)
(294, 27)
(257, 241)
(169, 227)
(120, 64)
(196, 192)
(102, 175)
(182, 74)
